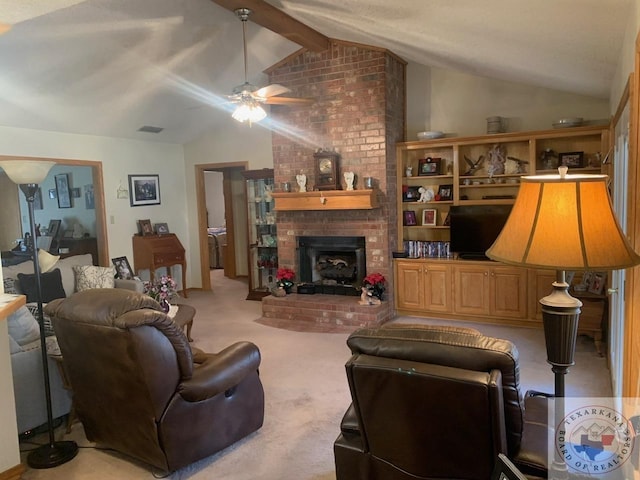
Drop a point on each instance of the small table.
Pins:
(184, 318)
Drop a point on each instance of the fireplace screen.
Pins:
(335, 265)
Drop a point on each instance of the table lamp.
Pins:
(563, 222)
(28, 174)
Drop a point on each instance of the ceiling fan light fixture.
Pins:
(249, 111)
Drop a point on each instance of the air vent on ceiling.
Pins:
(150, 129)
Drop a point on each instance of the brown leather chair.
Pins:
(136, 387)
(435, 402)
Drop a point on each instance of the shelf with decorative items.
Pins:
(262, 233)
(326, 200)
(484, 170)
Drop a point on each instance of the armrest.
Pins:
(220, 372)
(537, 436)
(134, 285)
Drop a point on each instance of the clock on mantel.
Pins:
(327, 170)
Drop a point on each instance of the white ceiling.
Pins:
(108, 67)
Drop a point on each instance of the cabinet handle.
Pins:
(486, 274)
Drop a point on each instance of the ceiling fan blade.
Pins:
(271, 90)
(289, 101)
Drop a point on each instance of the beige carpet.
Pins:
(306, 395)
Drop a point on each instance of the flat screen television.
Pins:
(474, 228)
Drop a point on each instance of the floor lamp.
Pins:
(28, 174)
(563, 222)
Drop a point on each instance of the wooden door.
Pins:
(437, 288)
(471, 289)
(508, 291)
(409, 286)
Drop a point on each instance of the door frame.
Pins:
(98, 192)
(201, 205)
(631, 354)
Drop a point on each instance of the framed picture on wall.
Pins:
(89, 199)
(144, 190)
(62, 189)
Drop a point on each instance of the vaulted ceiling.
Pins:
(108, 67)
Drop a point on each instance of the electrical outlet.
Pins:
(112, 219)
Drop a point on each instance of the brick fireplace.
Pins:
(359, 111)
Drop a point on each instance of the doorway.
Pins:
(234, 223)
(98, 212)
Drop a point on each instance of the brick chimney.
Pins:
(359, 111)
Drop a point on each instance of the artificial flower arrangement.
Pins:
(285, 277)
(161, 290)
(375, 283)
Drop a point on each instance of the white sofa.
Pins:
(26, 360)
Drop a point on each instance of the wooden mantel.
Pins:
(326, 200)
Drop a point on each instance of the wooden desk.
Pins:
(155, 251)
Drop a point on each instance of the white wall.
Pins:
(460, 104)
(119, 158)
(626, 60)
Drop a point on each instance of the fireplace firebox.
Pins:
(334, 265)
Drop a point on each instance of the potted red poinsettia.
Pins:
(375, 282)
(285, 277)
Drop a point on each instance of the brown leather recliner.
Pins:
(436, 402)
(136, 387)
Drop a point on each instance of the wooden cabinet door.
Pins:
(471, 290)
(437, 288)
(409, 284)
(508, 290)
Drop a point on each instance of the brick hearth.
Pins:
(321, 313)
(359, 111)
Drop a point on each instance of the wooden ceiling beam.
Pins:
(277, 21)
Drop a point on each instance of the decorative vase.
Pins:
(164, 303)
(286, 285)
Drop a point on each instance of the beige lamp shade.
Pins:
(26, 171)
(563, 223)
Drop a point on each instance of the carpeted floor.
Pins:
(306, 394)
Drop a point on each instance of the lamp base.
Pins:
(52, 454)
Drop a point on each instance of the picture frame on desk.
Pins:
(144, 227)
(144, 190)
(161, 228)
(54, 228)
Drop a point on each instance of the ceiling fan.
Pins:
(248, 96)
